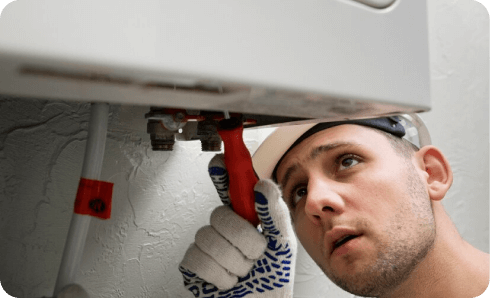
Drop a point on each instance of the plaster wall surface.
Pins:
(162, 198)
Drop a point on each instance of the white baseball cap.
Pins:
(284, 138)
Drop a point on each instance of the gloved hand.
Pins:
(231, 258)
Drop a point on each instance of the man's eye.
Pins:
(298, 194)
(347, 161)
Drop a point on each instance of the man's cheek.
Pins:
(310, 237)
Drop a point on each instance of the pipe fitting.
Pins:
(162, 139)
(208, 134)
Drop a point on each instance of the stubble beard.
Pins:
(397, 257)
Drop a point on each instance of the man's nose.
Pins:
(323, 200)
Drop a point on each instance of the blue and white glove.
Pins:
(231, 258)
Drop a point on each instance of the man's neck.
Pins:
(452, 268)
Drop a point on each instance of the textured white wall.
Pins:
(161, 199)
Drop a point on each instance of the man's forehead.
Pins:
(297, 163)
(343, 134)
(347, 135)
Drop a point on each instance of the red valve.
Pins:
(242, 177)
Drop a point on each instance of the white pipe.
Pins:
(92, 166)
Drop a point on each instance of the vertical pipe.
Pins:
(92, 166)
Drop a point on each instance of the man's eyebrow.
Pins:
(314, 154)
(329, 147)
(289, 172)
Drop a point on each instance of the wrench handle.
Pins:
(242, 177)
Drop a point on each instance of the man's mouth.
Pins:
(343, 240)
(339, 236)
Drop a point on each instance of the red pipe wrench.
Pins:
(242, 177)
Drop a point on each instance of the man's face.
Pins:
(349, 181)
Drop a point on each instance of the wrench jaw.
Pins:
(167, 125)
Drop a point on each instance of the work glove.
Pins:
(232, 258)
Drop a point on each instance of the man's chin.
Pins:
(358, 288)
(363, 284)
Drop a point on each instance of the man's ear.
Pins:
(437, 171)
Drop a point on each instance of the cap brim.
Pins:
(275, 146)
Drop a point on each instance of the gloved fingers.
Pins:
(219, 176)
(277, 228)
(272, 210)
(239, 232)
(222, 251)
(200, 263)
